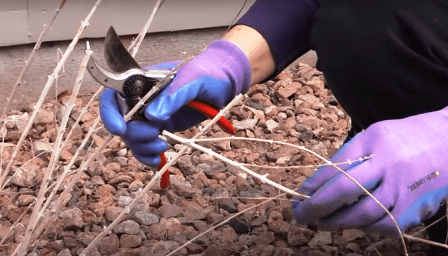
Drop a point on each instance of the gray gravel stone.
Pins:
(124, 201)
(248, 124)
(72, 219)
(145, 218)
(352, 234)
(227, 204)
(186, 166)
(112, 212)
(299, 237)
(203, 240)
(135, 186)
(247, 240)
(65, 252)
(353, 247)
(25, 200)
(321, 238)
(127, 227)
(170, 210)
(109, 245)
(282, 252)
(163, 248)
(130, 241)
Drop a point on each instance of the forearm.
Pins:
(284, 25)
(257, 50)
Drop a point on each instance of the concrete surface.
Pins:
(157, 47)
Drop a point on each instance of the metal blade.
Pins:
(117, 57)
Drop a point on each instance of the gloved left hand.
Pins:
(407, 173)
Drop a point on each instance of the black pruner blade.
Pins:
(116, 55)
(126, 77)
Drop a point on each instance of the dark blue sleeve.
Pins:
(285, 25)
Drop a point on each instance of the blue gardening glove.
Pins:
(407, 173)
(215, 77)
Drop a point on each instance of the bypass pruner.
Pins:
(132, 83)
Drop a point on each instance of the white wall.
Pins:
(21, 21)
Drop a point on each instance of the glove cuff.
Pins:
(234, 61)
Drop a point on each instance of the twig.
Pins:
(371, 196)
(223, 222)
(190, 143)
(58, 142)
(25, 69)
(9, 199)
(135, 45)
(22, 249)
(263, 178)
(283, 143)
(47, 87)
(373, 245)
(83, 111)
(254, 198)
(425, 241)
(55, 211)
(159, 86)
(16, 222)
(27, 162)
(159, 174)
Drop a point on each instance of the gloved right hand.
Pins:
(215, 77)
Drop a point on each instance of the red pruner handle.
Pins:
(211, 112)
(165, 179)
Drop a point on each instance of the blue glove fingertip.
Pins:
(152, 160)
(157, 111)
(110, 113)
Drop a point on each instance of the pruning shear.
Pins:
(132, 83)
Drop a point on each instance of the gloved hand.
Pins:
(407, 173)
(215, 77)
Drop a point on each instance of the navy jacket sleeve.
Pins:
(285, 25)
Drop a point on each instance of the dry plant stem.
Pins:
(71, 163)
(83, 111)
(22, 250)
(374, 247)
(37, 213)
(160, 85)
(27, 162)
(25, 69)
(47, 87)
(263, 178)
(156, 177)
(5, 237)
(58, 141)
(55, 211)
(223, 222)
(70, 105)
(255, 198)
(330, 163)
(425, 241)
(10, 199)
(428, 226)
(135, 45)
(297, 166)
(80, 148)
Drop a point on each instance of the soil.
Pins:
(295, 107)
